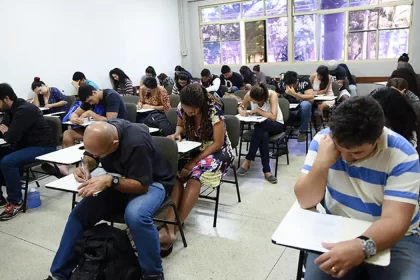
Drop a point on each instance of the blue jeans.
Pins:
(234, 89)
(138, 209)
(405, 264)
(11, 162)
(303, 113)
(259, 140)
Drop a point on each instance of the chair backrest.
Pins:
(240, 93)
(174, 100)
(132, 111)
(135, 91)
(271, 87)
(55, 124)
(130, 99)
(233, 130)
(169, 89)
(169, 149)
(71, 99)
(285, 108)
(172, 117)
(335, 88)
(230, 106)
(224, 89)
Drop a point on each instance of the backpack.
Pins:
(158, 119)
(105, 253)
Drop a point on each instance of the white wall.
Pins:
(193, 61)
(53, 39)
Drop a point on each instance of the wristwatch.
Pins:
(368, 246)
(115, 181)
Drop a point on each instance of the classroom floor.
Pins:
(238, 248)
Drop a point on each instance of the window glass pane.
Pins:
(252, 9)
(333, 4)
(332, 36)
(357, 3)
(230, 32)
(210, 33)
(277, 39)
(210, 14)
(231, 11)
(231, 52)
(363, 20)
(362, 45)
(398, 16)
(275, 7)
(255, 41)
(392, 43)
(304, 37)
(388, 1)
(305, 6)
(211, 52)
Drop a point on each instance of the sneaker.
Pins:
(302, 137)
(271, 179)
(3, 202)
(11, 211)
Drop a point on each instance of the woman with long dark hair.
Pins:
(121, 82)
(149, 72)
(153, 96)
(182, 81)
(249, 77)
(400, 115)
(200, 118)
(263, 102)
(165, 80)
(406, 72)
(179, 69)
(322, 84)
(49, 97)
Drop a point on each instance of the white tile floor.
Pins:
(239, 248)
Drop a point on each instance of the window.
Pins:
(258, 31)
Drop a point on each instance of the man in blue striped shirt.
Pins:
(364, 171)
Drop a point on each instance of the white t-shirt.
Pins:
(266, 107)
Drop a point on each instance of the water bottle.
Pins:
(34, 199)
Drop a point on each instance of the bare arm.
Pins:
(36, 101)
(76, 114)
(58, 104)
(272, 115)
(244, 105)
(310, 188)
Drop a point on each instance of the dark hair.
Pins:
(398, 83)
(77, 76)
(205, 73)
(196, 96)
(259, 92)
(357, 121)
(256, 68)
(179, 68)
(290, 78)
(121, 75)
(37, 83)
(349, 76)
(151, 70)
(150, 82)
(410, 77)
(7, 90)
(325, 74)
(85, 92)
(162, 77)
(183, 77)
(246, 72)
(404, 58)
(225, 69)
(399, 113)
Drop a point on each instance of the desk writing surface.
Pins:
(153, 129)
(324, 98)
(2, 142)
(43, 108)
(67, 156)
(186, 146)
(86, 123)
(251, 119)
(380, 83)
(144, 110)
(293, 105)
(304, 229)
(56, 114)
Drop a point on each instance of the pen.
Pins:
(83, 169)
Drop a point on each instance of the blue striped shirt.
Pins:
(357, 190)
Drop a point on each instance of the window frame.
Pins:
(291, 28)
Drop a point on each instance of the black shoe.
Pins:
(153, 277)
(164, 252)
(3, 202)
(49, 278)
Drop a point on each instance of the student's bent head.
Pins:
(290, 78)
(356, 126)
(245, 71)
(150, 71)
(183, 79)
(256, 69)
(100, 139)
(80, 78)
(399, 84)
(150, 83)
(206, 75)
(7, 96)
(226, 71)
(88, 94)
(259, 93)
(39, 86)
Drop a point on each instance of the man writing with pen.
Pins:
(126, 149)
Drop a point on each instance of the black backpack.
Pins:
(105, 253)
(158, 119)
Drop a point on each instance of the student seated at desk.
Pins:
(200, 118)
(339, 75)
(264, 102)
(153, 96)
(211, 82)
(29, 135)
(48, 97)
(165, 80)
(298, 91)
(79, 79)
(402, 86)
(322, 85)
(250, 79)
(232, 80)
(150, 72)
(121, 83)
(182, 80)
(262, 78)
(118, 145)
(364, 171)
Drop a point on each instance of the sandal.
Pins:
(164, 252)
(271, 179)
(241, 171)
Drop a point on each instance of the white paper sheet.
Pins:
(254, 119)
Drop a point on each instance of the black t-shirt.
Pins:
(235, 81)
(138, 157)
(303, 85)
(338, 74)
(112, 103)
